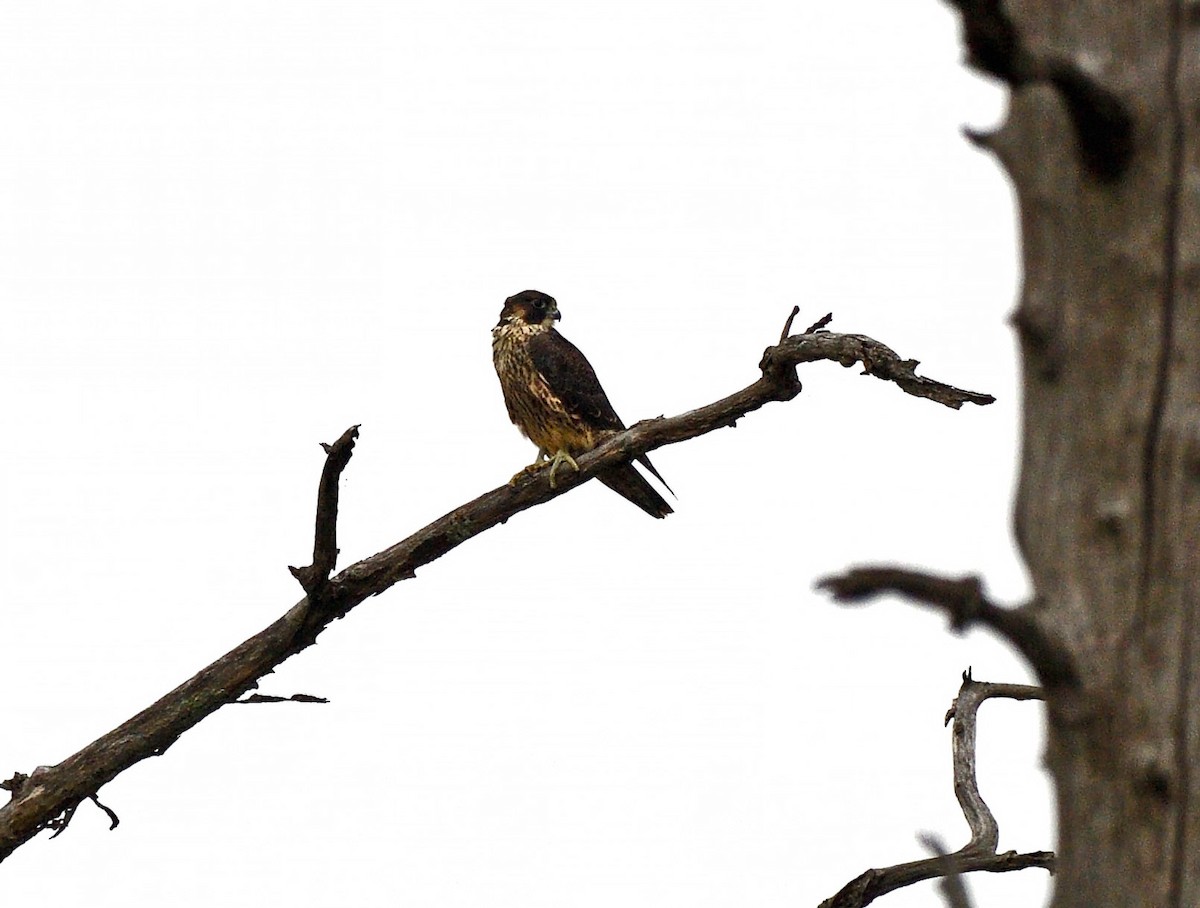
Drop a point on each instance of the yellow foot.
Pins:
(538, 464)
(559, 459)
(525, 471)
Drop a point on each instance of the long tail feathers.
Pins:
(645, 462)
(627, 482)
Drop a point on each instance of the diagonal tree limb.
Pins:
(38, 799)
(964, 602)
(980, 852)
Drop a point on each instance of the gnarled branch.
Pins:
(315, 577)
(963, 601)
(980, 852)
(52, 790)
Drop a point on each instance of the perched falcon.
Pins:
(555, 399)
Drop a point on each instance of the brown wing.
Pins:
(572, 380)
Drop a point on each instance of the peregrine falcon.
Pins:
(555, 399)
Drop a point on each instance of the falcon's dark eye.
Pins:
(539, 304)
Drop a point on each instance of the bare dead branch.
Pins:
(113, 820)
(965, 604)
(876, 358)
(985, 831)
(60, 823)
(271, 698)
(787, 326)
(980, 852)
(314, 577)
(51, 790)
(870, 885)
(819, 323)
(811, 329)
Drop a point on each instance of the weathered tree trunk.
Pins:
(1108, 510)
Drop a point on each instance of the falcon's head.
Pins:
(530, 307)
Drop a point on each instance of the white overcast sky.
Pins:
(229, 230)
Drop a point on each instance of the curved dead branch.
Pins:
(980, 852)
(964, 602)
(50, 791)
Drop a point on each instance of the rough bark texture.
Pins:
(1108, 510)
